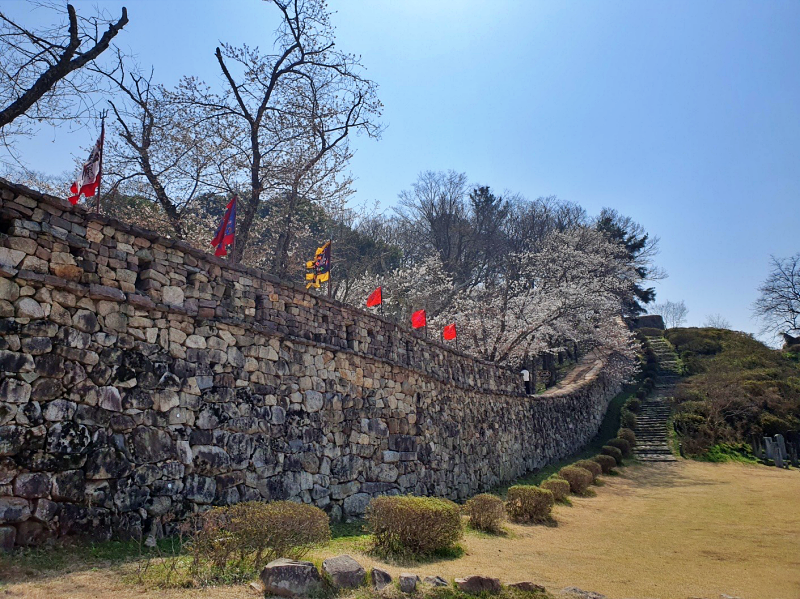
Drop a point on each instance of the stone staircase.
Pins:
(651, 422)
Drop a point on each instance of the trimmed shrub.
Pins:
(607, 462)
(622, 445)
(558, 487)
(591, 466)
(579, 479)
(529, 504)
(407, 525)
(485, 512)
(627, 418)
(640, 394)
(614, 452)
(628, 435)
(634, 404)
(248, 535)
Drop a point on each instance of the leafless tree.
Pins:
(673, 313)
(156, 151)
(42, 74)
(434, 212)
(716, 321)
(778, 306)
(307, 95)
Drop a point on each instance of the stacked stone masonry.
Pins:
(142, 380)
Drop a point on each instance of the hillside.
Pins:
(736, 388)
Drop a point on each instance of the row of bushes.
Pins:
(529, 503)
(242, 538)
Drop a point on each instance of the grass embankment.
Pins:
(666, 530)
(736, 389)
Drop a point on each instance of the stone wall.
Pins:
(143, 380)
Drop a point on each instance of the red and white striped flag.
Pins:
(89, 181)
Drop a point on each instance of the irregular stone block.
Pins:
(210, 459)
(289, 578)
(14, 391)
(380, 578)
(9, 290)
(27, 307)
(152, 445)
(68, 438)
(581, 594)
(436, 581)
(478, 584)
(14, 509)
(9, 257)
(344, 572)
(85, 321)
(12, 439)
(528, 587)
(356, 505)
(69, 486)
(32, 485)
(45, 510)
(172, 295)
(200, 489)
(408, 582)
(13, 362)
(59, 410)
(106, 463)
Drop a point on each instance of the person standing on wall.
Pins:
(526, 378)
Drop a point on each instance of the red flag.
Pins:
(375, 298)
(226, 234)
(89, 181)
(449, 332)
(418, 319)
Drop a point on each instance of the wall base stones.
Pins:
(142, 381)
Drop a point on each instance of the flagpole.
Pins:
(330, 267)
(232, 257)
(100, 171)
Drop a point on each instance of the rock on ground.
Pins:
(478, 584)
(527, 586)
(380, 578)
(290, 578)
(581, 594)
(344, 572)
(436, 581)
(408, 582)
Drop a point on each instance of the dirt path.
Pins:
(665, 530)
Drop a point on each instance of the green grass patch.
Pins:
(729, 452)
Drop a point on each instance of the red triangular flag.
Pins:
(375, 298)
(418, 319)
(449, 332)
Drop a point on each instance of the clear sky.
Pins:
(683, 115)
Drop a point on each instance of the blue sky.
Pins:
(683, 115)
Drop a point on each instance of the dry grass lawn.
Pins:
(674, 530)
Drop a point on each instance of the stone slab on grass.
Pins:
(478, 584)
(344, 572)
(290, 578)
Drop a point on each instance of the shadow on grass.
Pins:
(404, 560)
(67, 555)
